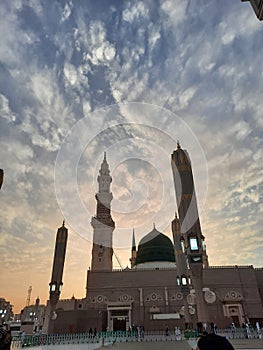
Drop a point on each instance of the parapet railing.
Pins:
(122, 336)
(230, 267)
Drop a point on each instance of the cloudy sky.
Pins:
(78, 78)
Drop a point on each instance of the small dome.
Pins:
(155, 246)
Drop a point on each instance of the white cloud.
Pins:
(5, 110)
(67, 11)
(175, 12)
(99, 49)
(135, 11)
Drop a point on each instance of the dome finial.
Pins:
(63, 223)
(105, 157)
(178, 145)
(154, 225)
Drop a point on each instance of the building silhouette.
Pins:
(1, 177)
(32, 317)
(257, 6)
(169, 283)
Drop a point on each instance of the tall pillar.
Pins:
(141, 307)
(190, 224)
(130, 321)
(56, 283)
(102, 223)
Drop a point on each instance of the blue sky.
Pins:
(77, 68)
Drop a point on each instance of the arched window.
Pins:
(184, 280)
(182, 244)
(193, 242)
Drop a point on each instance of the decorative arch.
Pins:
(99, 299)
(233, 296)
(154, 297)
(125, 297)
(177, 296)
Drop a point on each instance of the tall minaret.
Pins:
(133, 251)
(58, 263)
(56, 279)
(102, 223)
(190, 224)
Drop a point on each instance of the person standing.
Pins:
(212, 327)
(177, 333)
(95, 332)
(90, 332)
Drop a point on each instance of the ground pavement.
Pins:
(239, 344)
(244, 344)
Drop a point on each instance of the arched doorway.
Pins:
(119, 316)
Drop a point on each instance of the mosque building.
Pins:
(169, 283)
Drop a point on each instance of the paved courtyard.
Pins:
(243, 344)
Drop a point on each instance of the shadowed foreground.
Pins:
(244, 344)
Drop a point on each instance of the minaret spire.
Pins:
(104, 178)
(133, 240)
(133, 250)
(178, 144)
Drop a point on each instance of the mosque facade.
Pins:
(169, 283)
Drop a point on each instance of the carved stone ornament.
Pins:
(233, 295)
(99, 299)
(154, 309)
(179, 296)
(190, 299)
(181, 311)
(191, 310)
(154, 297)
(125, 297)
(210, 297)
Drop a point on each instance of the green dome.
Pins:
(155, 246)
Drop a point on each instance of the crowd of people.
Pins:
(92, 333)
